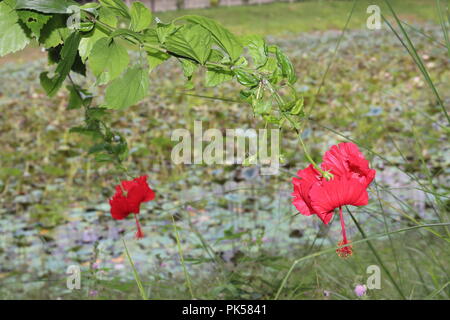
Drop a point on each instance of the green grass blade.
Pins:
(333, 249)
(322, 81)
(413, 52)
(377, 256)
(180, 252)
(443, 25)
(135, 273)
(437, 291)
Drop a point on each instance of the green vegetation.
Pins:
(290, 18)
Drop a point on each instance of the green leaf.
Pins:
(108, 56)
(188, 67)
(96, 113)
(262, 106)
(287, 68)
(191, 41)
(78, 97)
(151, 37)
(257, 49)
(164, 30)
(272, 69)
(54, 32)
(106, 16)
(224, 38)
(216, 76)
(141, 17)
(46, 6)
(215, 56)
(298, 106)
(12, 36)
(155, 58)
(68, 55)
(245, 78)
(54, 57)
(93, 133)
(127, 32)
(127, 90)
(118, 6)
(34, 20)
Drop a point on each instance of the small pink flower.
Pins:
(93, 293)
(360, 290)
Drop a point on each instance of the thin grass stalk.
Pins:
(333, 249)
(180, 252)
(142, 292)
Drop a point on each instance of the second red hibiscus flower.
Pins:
(314, 194)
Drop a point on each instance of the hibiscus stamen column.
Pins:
(139, 233)
(345, 251)
(128, 198)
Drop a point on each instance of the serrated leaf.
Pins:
(262, 106)
(224, 38)
(188, 67)
(12, 36)
(257, 49)
(127, 90)
(34, 20)
(287, 68)
(46, 6)
(191, 41)
(155, 58)
(118, 6)
(78, 97)
(298, 106)
(245, 78)
(87, 132)
(215, 56)
(105, 16)
(151, 37)
(216, 76)
(54, 32)
(96, 148)
(104, 157)
(164, 30)
(108, 56)
(141, 17)
(75, 99)
(68, 55)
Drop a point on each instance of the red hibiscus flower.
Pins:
(128, 198)
(314, 194)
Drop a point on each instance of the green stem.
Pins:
(135, 273)
(180, 252)
(377, 256)
(333, 249)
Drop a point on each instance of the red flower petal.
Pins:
(119, 205)
(302, 186)
(345, 160)
(328, 195)
(137, 191)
